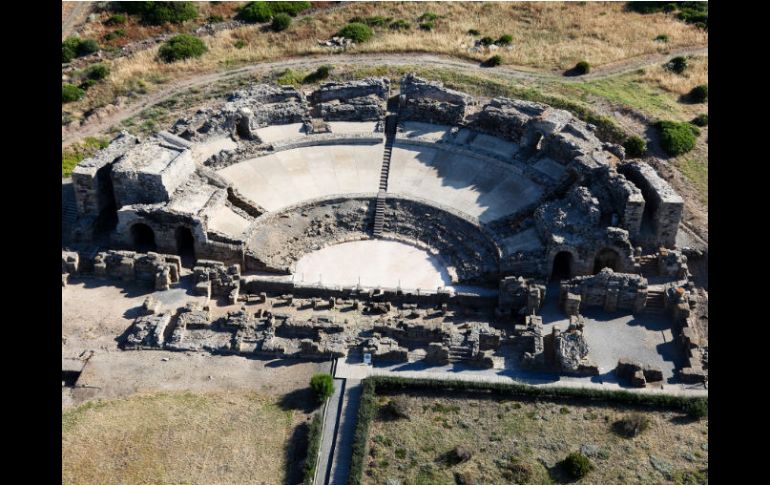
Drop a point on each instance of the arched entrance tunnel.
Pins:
(185, 246)
(562, 266)
(143, 238)
(606, 258)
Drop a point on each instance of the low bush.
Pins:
(697, 408)
(255, 12)
(239, 44)
(632, 425)
(457, 455)
(700, 120)
(290, 8)
(396, 409)
(635, 146)
(582, 67)
(281, 21)
(577, 465)
(114, 34)
(97, 72)
(116, 19)
(661, 38)
(159, 13)
(357, 32)
(400, 24)
(474, 32)
(86, 83)
(213, 19)
(314, 444)
(69, 49)
(504, 39)
(322, 386)
(319, 74)
(677, 65)
(86, 46)
(289, 77)
(677, 138)
(180, 47)
(70, 93)
(487, 41)
(493, 61)
(699, 94)
(427, 17)
(427, 26)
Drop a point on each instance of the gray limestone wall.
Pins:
(150, 174)
(91, 177)
(379, 87)
(665, 206)
(607, 289)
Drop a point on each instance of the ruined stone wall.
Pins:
(159, 270)
(150, 173)
(343, 91)
(431, 102)
(609, 290)
(664, 204)
(91, 177)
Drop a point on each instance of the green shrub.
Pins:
(635, 146)
(182, 46)
(582, 67)
(86, 46)
(86, 83)
(69, 49)
(114, 34)
(474, 32)
(400, 24)
(631, 425)
(677, 138)
(661, 38)
(427, 26)
(427, 17)
(97, 72)
(281, 21)
(323, 386)
(239, 44)
(212, 19)
(678, 64)
(289, 77)
(159, 13)
(504, 39)
(700, 120)
(487, 41)
(696, 408)
(314, 444)
(699, 94)
(577, 465)
(290, 8)
(396, 409)
(493, 61)
(255, 12)
(116, 19)
(357, 32)
(318, 75)
(70, 93)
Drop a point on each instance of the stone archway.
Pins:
(185, 245)
(562, 266)
(606, 258)
(143, 238)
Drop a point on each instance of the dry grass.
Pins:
(537, 435)
(547, 35)
(177, 438)
(696, 73)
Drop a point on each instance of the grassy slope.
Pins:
(537, 434)
(545, 35)
(178, 438)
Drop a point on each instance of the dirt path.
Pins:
(75, 16)
(362, 60)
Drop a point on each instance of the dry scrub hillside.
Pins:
(548, 35)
